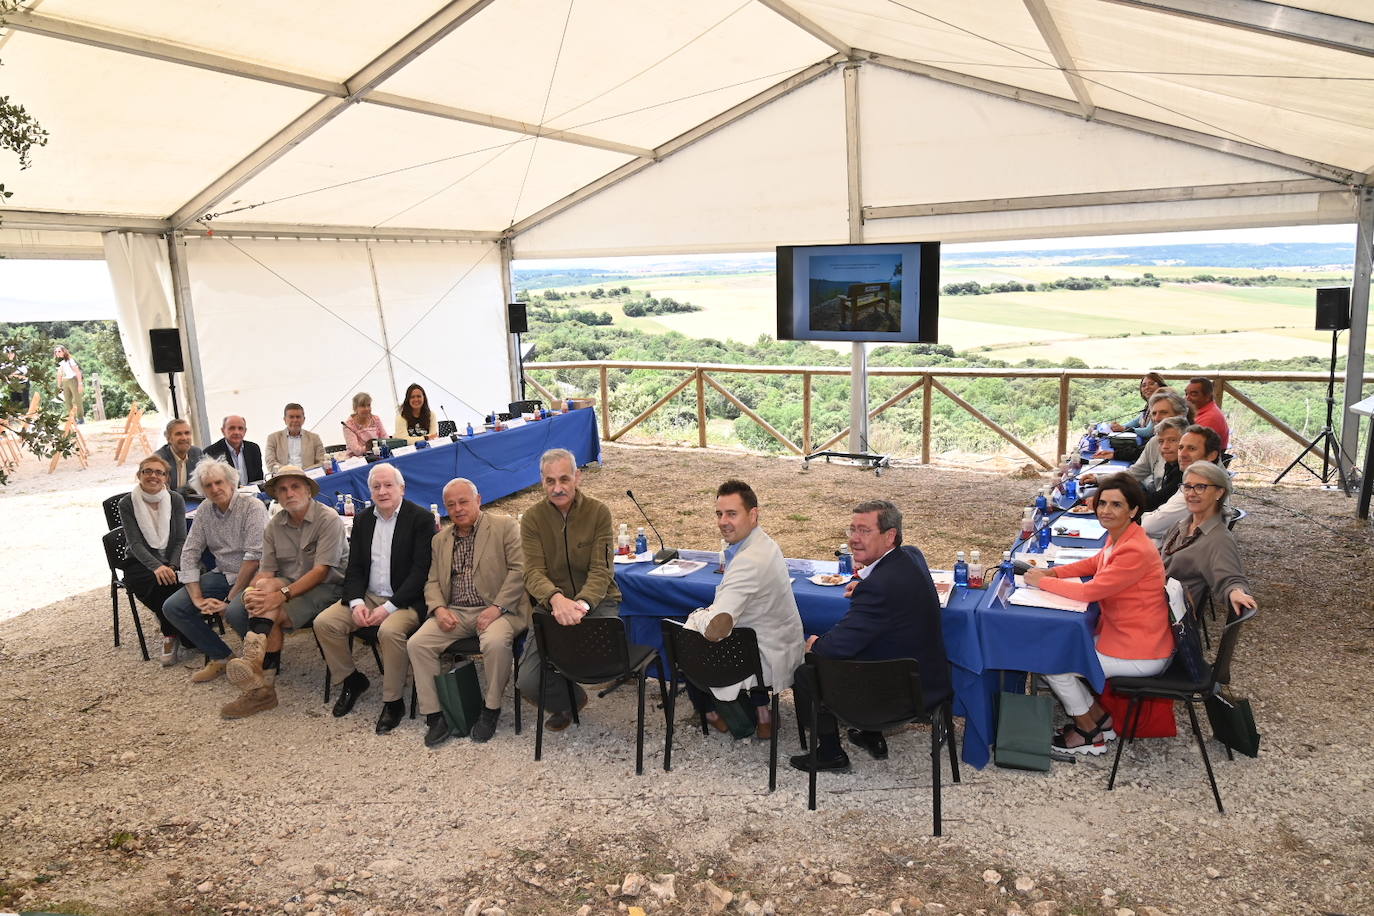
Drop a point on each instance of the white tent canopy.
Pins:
(529, 128)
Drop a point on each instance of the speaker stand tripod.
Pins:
(172, 384)
(1326, 441)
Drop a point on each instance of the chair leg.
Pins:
(949, 737)
(539, 720)
(801, 726)
(414, 698)
(377, 656)
(1206, 761)
(326, 667)
(1121, 740)
(138, 624)
(811, 751)
(669, 708)
(773, 747)
(935, 729)
(572, 701)
(639, 729)
(114, 608)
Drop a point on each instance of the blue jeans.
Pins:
(186, 617)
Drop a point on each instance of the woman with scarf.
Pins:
(154, 520)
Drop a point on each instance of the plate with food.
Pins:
(1081, 509)
(827, 579)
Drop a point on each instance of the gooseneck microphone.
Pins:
(665, 553)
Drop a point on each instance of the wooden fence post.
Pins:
(701, 409)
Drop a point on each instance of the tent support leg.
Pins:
(190, 342)
(1359, 328)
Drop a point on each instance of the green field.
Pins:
(1121, 327)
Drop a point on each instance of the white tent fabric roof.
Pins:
(483, 118)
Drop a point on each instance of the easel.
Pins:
(82, 453)
(133, 429)
(11, 438)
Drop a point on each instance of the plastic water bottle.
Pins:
(1042, 504)
(975, 569)
(641, 541)
(846, 560)
(1042, 535)
(469, 429)
(622, 541)
(434, 511)
(333, 465)
(348, 505)
(1027, 524)
(1090, 442)
(1008, 567)
(338, 502)
(1071, 490)
(960, 570)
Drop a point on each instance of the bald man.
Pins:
(238, 451)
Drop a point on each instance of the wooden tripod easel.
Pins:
(11, 438)
(82, 453)
(133, 431)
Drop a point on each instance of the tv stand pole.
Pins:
(858, 419)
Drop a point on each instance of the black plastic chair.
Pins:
(335, 449)
(116, 552)
(447, 427)
(1175, 684)
(694, 658)
(368, 636)
(516, 408)
(1233, 516)
(472, 645)
(877, 696)
(591, 652)
(110, 506)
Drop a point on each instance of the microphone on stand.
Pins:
(666, 553)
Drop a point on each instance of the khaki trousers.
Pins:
(497, 658)
(334, 624)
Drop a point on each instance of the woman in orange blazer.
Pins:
(1133, 634)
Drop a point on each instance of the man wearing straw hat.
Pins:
(300, 574)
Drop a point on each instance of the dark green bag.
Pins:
(1023, 732)
(459, 696)
(736, 717)
(1233, 724)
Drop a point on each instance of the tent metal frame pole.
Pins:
(1359, 328)
(1049, 31)
(381, 322)
(186, 320)
(858, 361)
(513, 358)
(1272, 19)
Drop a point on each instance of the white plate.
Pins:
(820, 579)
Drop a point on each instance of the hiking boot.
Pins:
(214, 667)
(245, 672)
(250, 702)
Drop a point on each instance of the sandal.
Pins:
(1104, 725)
(1094, 742)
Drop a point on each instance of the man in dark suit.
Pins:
(894, 612)
(384, 587)
(238, 451)
(182, 457)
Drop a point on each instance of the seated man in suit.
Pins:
(894, 612)
(238, 451)
(383, 588)
(476, 586)
(182, 457)
(755, 592)
(295, 444)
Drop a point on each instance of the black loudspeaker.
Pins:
(1333, 308)
(516, 318)
(166, 343)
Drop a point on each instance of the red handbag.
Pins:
(1156, 715)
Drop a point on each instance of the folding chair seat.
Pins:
(1175, 684)
(877, 696)
(591, 652)
(705, 664)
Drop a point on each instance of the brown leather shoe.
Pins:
(561, 720)
(250, 702)
(213, 669)
(245, 672)
(715, 721)
(764, 730)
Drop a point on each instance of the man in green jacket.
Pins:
(569, 551)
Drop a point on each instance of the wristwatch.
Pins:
(286, 592)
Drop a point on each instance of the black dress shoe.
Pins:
(838, 764)
(353, 686)
(873, 742)
(485, 726)
(392, 713)
(439, 731)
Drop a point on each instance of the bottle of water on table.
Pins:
(960, 570)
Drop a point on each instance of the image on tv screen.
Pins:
(851, 292)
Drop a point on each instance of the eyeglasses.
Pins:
(1197, 487)
(153, 472)
(861, 532)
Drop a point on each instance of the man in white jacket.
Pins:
(756, 592)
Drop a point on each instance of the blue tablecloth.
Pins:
(647, 599)
(499, 463)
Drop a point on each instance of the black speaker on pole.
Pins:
(1333, 308)
(166, 344)
(516, 318)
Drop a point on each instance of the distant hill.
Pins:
(1302, 254)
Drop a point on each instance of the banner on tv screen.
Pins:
(880, 293)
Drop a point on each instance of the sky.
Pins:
(73, 290)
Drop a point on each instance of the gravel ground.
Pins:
(124, 792)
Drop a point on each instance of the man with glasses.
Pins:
(894, 612)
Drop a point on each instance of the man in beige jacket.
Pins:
(293, 445)
(476, 587)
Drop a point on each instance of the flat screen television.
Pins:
(886, 292)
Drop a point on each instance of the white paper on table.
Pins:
(1089, 529)
(1029, 596)
(1065, 555)
(644, 557)
(702, 556)
(439, 442)
(402, 450)
(315, 473)
(349, 464)
(513, 424)
(944, 584)
(677, 568)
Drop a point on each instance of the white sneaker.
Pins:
(171, 651)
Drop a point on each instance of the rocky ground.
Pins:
(123, 792)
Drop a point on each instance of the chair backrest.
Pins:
(335, 449)
(1221, 668)
(712, 664)
(447, 427)
(592, 650)
(516, 408)
(116, 548)
(110, 506)
(870, 695)
(1234, 515)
